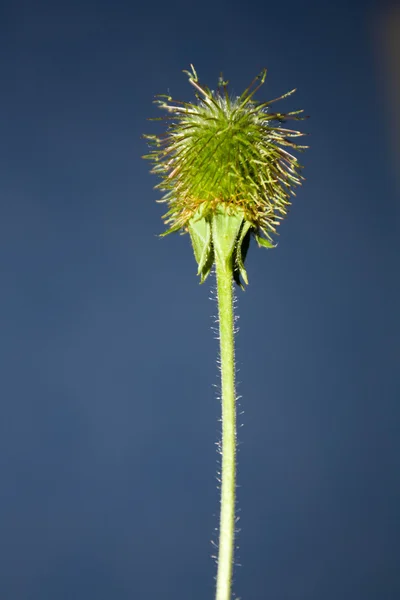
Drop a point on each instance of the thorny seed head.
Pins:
(225, 150)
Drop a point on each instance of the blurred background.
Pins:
(108, 390)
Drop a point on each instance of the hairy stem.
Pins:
(228, 474)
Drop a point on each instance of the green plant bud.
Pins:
(225, 171)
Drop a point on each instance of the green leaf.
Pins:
(200, 234)
(263, 242)
(242, 247)
(206, 270)
(226, 225)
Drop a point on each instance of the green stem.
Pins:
(228, 474)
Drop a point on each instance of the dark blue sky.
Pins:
(109, 416)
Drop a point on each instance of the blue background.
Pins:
(109, 417)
